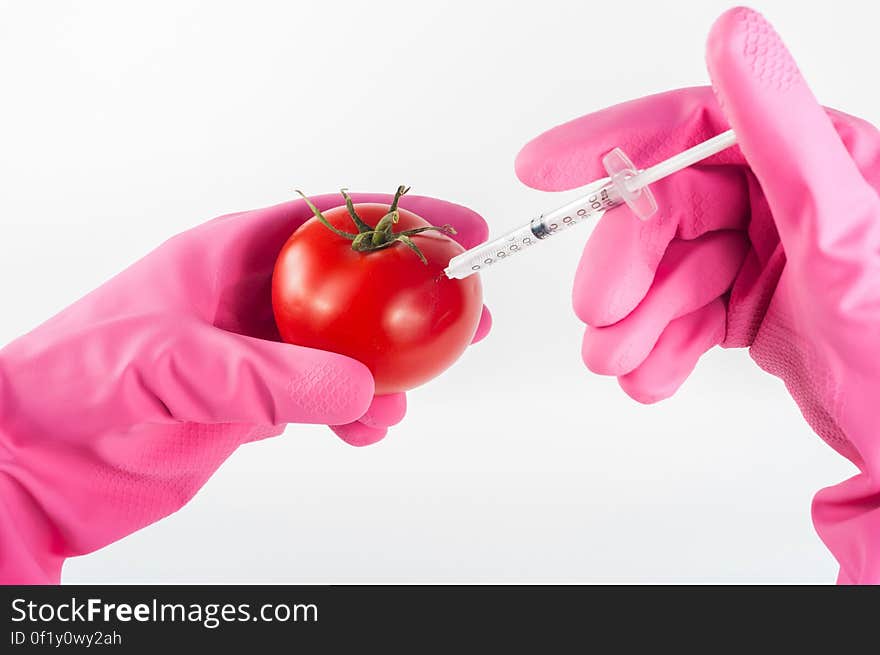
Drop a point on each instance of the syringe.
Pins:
(624, 184)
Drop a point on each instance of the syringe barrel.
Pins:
(491, 252)
(601, 197)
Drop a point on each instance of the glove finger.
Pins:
(653, 128)
(671, 361)
(260, 432)
(483, 326)
(204, 374)
(621, 257)
(358, 434)
(385, 411)
(648, 129)
(824, 209)
(691, 275)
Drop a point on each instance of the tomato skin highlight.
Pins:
(406, 321)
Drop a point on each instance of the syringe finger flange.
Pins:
(621, 170)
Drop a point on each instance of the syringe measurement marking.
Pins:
(598, 201)
(513, 248)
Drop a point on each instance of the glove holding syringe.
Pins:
(624, 184)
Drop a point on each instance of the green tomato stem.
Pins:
(361, 226)
(320, 217)
(409, 243)
(368, 239)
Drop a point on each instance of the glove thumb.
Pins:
(823, 207)
(209, 375)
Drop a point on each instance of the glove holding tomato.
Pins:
(117, 410)
(365, 279)
(368, 281)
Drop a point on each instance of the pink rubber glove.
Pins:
(774, 245)
(117, 410)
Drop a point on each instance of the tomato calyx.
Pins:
(368, 239)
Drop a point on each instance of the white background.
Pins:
(122, 123)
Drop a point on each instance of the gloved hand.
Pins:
(117, 410)
(773, 245)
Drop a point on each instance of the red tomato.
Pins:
(405, 320)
